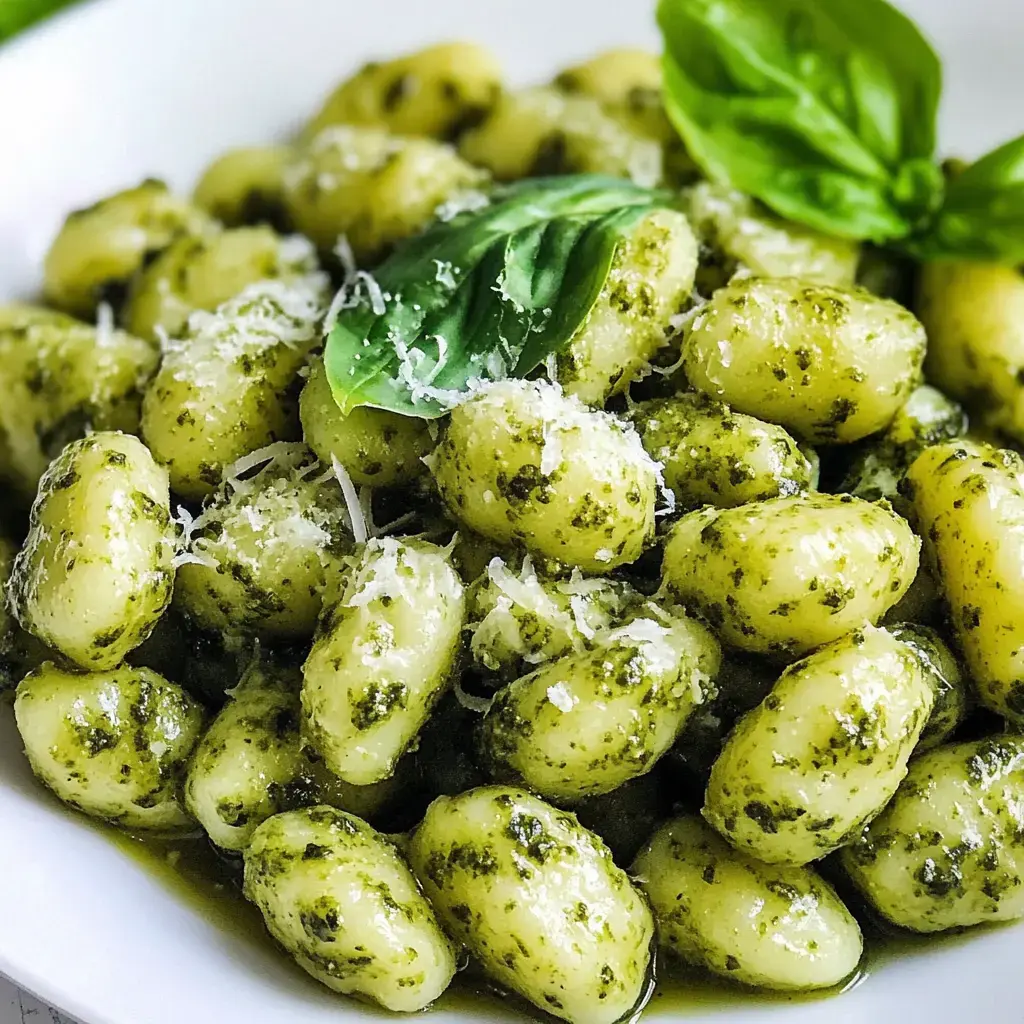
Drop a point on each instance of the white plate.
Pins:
(121, 89)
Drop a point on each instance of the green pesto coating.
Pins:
(943, 674)
(946, 852)
(927, 418)
(650, 280)
(100, 248)
(523, 463)
(627, 84)
(339, 897)
(377, 448)
(249, 764)
(538, 901)
(437, 92)
(227, 387)
(714, 456)
(545, 131)
(742, 237)
(520, 619)
(585, 724)
(784, 576)
(974, 315)
(832, 365)
(20, 652)
(968, 504)
(245, 186)
(112, 744)
(96, 569)
(263, 549)
(60, 379)
(823, 753)
(200, 272)
(771, 926)
(383, 657)
(370, 186)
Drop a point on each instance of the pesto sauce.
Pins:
(210, 884)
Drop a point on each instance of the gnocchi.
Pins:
(97, 568)
(524, 463)
(823, 753)
(784, 576)
(112, 744)
(585, 724)
(383, 657)
(832, 365)
(538, 901)
(340, 899)
(773, 926)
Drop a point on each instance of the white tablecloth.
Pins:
(17, 1007)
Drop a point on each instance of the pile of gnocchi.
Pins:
(696, 644)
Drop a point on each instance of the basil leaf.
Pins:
(487, 294)
(982, 217)
(825, 110)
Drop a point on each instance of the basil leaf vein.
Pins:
(825, 111)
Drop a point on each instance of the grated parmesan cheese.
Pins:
(479, 705)
(360, 530)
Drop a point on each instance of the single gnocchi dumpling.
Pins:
(372, 187)
(201, 272)
(832, 365)
(823, 753)
(340, 899)
(226, 387)
(538, 901)
(110, 744)
(943, 674)
(771, 926)
(946, 852)
(544, 131)
(61, 378)
(650, 280)
(968, 504)
(437, 92)
(96, 570)
(974, 315)
(784, 576)
(249, 764)
(377, 448)
(713, 456)
(245, 186)
(384, 656)
(258, 557)
(523, 463)
(519, 619)
(100, 248)
(585, 724)
(747, 239)
(628, 85)
(927, 418)
(614, 76)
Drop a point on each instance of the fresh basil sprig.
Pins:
(825, 110)
(982, 217)
(487, 294)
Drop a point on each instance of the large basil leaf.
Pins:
(823, 109)
(487, 294)
(982, 217)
